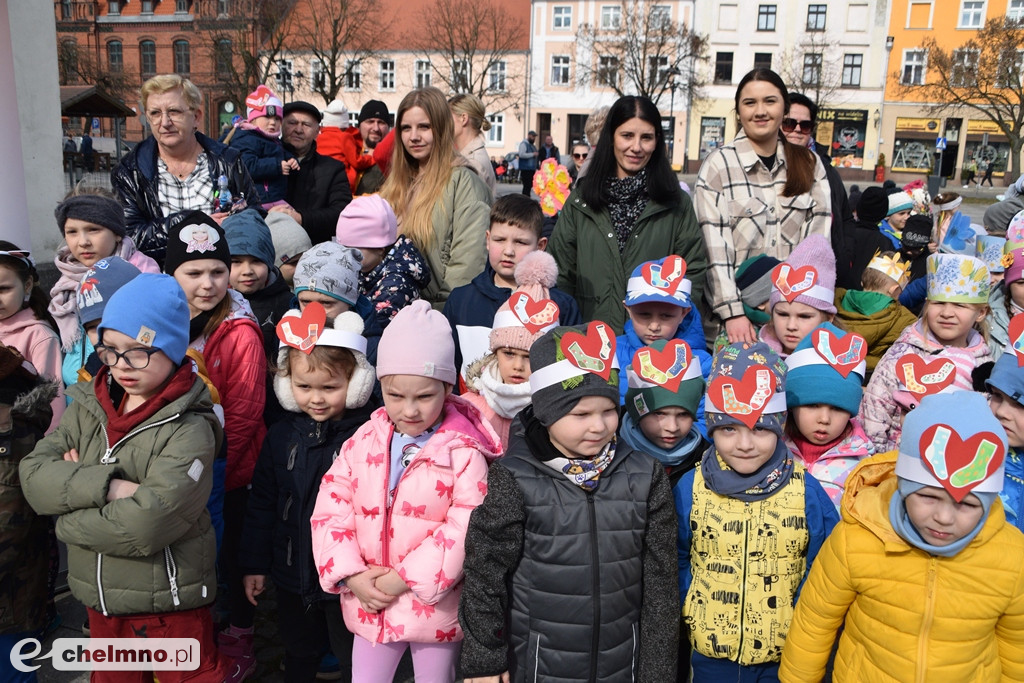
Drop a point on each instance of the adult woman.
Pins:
(629, 209)
(469, 117)
(580, 151)
(442, 205)
(759, 194)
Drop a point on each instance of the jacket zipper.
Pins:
(172, 574)
(926, 622)
(595, 562)
(743, 578)
(387, 518)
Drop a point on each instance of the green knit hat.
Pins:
(662, 375)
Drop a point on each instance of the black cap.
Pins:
(873, 205)
(374, 109)
(917, 232)
(305, 108)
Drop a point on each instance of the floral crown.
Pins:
(892, 266)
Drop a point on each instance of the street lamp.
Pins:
(672, 73)
(889, 40)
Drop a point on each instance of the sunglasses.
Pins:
(789, 125)
(579, 156)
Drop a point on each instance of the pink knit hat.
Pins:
(262, 102)
(367, 222)
(808, 276)
(535, 274)
(418, 341)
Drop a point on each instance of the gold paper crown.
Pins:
(893, 266)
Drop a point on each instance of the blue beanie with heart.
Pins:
(827, 367)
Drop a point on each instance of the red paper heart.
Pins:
(534, 315)
(791, 282)
(302, 331)
(592, 351)
(922, 378)
(666, 276)
(845, 354)
(1016, 331)
(743, 399)
(960, 465)
(666, 367)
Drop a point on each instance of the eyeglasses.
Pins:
(175, 115)
(789, 125)
(136, 359)
(579, 156)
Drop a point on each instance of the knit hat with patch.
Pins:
(248, 235)
(262, 102)
(747, 386)
(662, 281)
(99, 284)
(330, 269)
(194, 238)
(290, 239)
(808, 276)
(828, 367)
(917, 232)
(152, 310)
(659, 378)
(571, 363)
(418, 341)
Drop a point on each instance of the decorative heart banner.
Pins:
(302, 330)
(535, 316)
(591, 352)
(745, 399)
(666, 276)
(845, 355)
(666, 368)
(923, 378)
(959, 464)
(1016, 342)
(792, 283)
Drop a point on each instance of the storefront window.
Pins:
(712, 134)
(986, 144)
(914, 144)
(842, 132)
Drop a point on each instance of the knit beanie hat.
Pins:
(571, 363)
(367, 222)
(336, 115)
(990, 250)
(331, 269)
(374, 109)
(873, 206)
(93, 208)
(747, 386)
(827, 366)
(754, 279)
(1007, 374)
(152, 310)
(521, 321)
(808, 276)
(899, 201)
(418, 341)
(99, 284)
(662, 281)
(195, 237)
(247, 234)
(664, 374)
(958, 279)
(262, 102)
(917, 232)
(290, 239)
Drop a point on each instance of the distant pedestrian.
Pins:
(528, 161)
(989, 167)
(970, 173)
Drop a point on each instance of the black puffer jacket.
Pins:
(319, 191)
(583, 582)
(135, 181)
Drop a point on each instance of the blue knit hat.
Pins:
(662, 281)
(828, 367)
(1008, 377)
(152, 310)
(248, 235)
(747, 385)
(99, 283)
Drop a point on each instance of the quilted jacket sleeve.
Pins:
(879, 412)
(243, 393)
(239, 180)
(147, 229)
(659, 610)
(335, 547)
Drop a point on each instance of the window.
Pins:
(560, 70)
(147, 6)
(919, 15)
(182, 58)
(223, 58)
(766, 17)
(762, 60)
(497, 132)
(285, 76)
(460, 76)
(147, 58)
(562, 17)
(423, 73)
(317, 75)
(812, 69)
(181, 6)
(1011, 63)
(816, 17)
(68, 58)
(608, 71)
(387, 74)
(723, 67)
(972, 13)
(223, 6)
(353, 75)
(661, 16)
(496, 77)
(1015, 10)
(852, 65)
(353, 119)
(114, 7)
(913, 67)
(65, 9)
(657, 72)
(115, 57)
(964, 69)
(611, 16)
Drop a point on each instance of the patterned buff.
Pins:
(627, 199)
(772, 476)
(584, 472)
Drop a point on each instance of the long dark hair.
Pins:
(662, 184)
(799, 160)
(38, 299)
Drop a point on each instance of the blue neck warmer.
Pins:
(688, 448)
(902, 525)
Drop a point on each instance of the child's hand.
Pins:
(282, 208)
(391, 583)
(503, 678)
(739, 329)
(289, 165)
(72, 455)
(219, 216)
(120, 488)
(370, 597)
(254, 585)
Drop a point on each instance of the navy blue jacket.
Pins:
(263, 157)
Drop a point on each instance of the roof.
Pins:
(87, 100)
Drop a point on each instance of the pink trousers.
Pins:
(377, 662)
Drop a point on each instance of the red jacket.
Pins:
(345, 145)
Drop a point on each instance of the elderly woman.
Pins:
(176, 170)
(469, 117)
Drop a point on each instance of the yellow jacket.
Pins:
(909, 616)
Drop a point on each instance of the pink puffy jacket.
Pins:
(422, 535)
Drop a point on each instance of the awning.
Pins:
(87, 100)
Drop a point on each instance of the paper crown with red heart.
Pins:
(663, 375)
(807, 277)
(747, 386)
(828, 367)
(521, 320)
(917, 377)
(591, 352)
(662, 281)
(306, 329)
(953, 442)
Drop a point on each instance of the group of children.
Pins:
(461, 484)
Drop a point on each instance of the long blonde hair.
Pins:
(413, 188)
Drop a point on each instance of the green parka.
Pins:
(591, 269)
(149, 553)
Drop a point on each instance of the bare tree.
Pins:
(982, 75)
(814, 68)
(78, 67)
(637, 49)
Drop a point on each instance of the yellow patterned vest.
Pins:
(747, 561)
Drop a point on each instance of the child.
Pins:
(93, 228)
(98, 284)
(754, 280)
(1007, 298)
(325, 387)
(393, 270)
(130, 480)
(565, 505)
(874, 311)
(823, 392)
(342, 142)
(25, 323)
(989, 249)
(803, 295)
(665, 390)
(290, 242)
(915, 242)
(748, 510)
(389, 523)
(900, 206)
(1006, 384)
(924, 575)
(258, 139)
(499, 383)
(958, 290)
